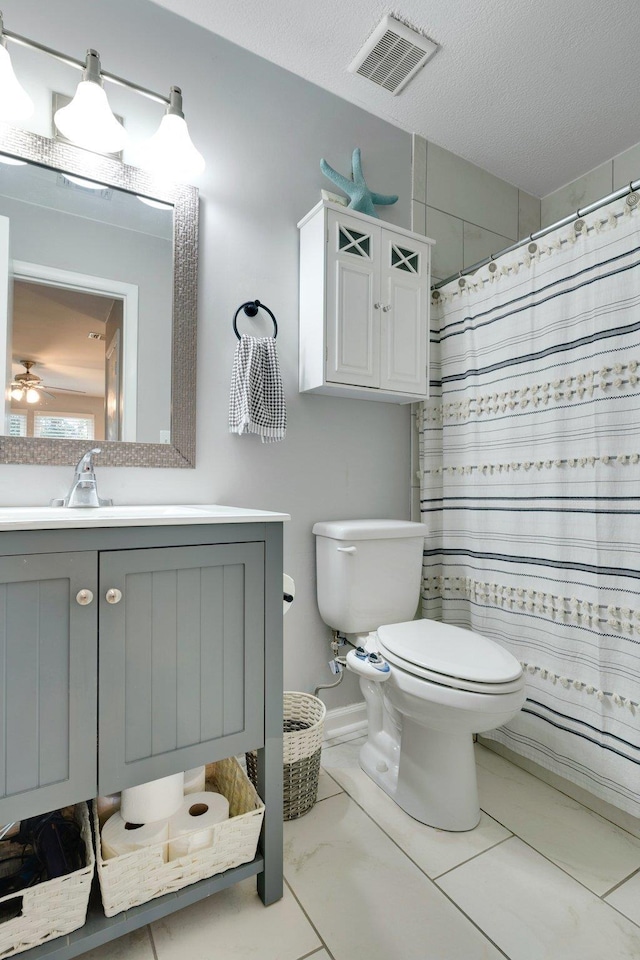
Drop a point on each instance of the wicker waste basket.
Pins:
(303, 726)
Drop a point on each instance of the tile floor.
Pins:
(540, 878)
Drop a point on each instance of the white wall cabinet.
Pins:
(364, 307)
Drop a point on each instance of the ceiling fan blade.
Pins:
(63, 389)
(45, 394)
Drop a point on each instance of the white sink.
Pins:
(35, 518)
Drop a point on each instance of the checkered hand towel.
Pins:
(256, 401)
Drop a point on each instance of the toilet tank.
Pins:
(368, 572)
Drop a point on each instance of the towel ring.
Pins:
(251, 308)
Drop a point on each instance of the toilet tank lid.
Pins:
(368, 529)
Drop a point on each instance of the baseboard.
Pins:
(606, 810)
(342, 721)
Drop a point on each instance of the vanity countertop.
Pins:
(50, 518)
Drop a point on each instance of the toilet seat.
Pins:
(450, 656)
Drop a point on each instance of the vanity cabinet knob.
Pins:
(387, 308)
(377, 306)
(83, 597)
(114, 595)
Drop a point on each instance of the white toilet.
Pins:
(428, 686)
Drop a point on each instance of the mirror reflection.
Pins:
(86, 280)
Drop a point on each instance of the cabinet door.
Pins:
(353, 309)
(47, 682)
(181, 659)
(405, 314)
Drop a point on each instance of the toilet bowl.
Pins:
(422, 716)
(428, 686)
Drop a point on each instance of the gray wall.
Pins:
(262, 131)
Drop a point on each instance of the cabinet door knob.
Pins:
(377, 306)
(114, 595)
(83, 597)
(387, 308)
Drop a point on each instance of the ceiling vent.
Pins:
(392, 55)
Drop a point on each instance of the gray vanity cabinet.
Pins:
(48, 693)
(131, 653)
(181, 659)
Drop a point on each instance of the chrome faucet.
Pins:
(84, 489)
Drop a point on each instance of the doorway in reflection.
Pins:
(70, 341)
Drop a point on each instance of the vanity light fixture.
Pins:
(170, 154)
(15, 103)
(88, 120)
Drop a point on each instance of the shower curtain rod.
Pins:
(623, 191)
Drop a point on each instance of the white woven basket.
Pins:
(137, 877)
(52, 908)
(303, 723)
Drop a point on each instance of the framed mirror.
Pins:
(98, 300)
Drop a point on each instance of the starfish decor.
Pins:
(360, 197)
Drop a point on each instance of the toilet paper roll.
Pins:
(106, 807)
(191, 828)
(119, 836)
(288, 590)
(153, 801)
(194, 780)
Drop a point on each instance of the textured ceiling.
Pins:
(535, 91)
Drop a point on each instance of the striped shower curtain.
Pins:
(530, 464)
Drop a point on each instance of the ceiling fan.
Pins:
(28, 386)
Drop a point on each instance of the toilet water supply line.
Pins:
(337, 664)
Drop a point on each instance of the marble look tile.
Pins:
(234, 925)
(419, 169)
(344, 738)
(480, 243)
(319, 955)
(434, 851)
(363, 893)
(133, 946)
(528, 214)
(418, 217)
(534, 911)
(471, 193)
(447, 231)
(579, 193)
(327, 786)
(626, 821)
(594, 851)
(626, 167)
(626, 898)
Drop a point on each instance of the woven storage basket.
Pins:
(52, 908)
(142, 875)
(303, 724)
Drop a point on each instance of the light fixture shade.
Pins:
(88, 121)
(170, 154)
(15, 103)
(17, 393)
(32, 395)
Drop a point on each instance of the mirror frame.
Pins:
(66, 158)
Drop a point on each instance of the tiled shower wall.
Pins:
(470, 214)
(612, 175)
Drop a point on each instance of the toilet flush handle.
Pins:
(347, 549)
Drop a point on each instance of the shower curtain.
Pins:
(530, 466)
